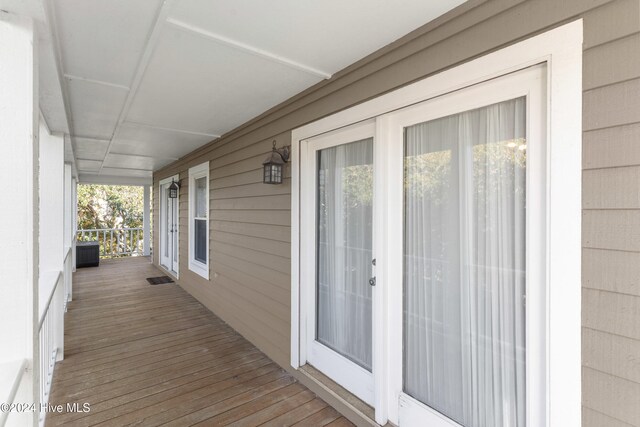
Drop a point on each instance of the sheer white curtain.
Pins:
(464, 255)
(344, 249)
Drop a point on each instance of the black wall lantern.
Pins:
(273, 165)
(173, 190)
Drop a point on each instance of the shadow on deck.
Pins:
(153, 355)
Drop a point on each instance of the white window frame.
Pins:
(197, 172)
(560, 50)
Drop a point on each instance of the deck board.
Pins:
(153, 355)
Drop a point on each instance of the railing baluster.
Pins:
(127, 241)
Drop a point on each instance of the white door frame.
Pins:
(561, 50)
(345, 372)
(162, 200)
(530, 83)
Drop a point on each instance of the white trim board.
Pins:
(162, 183)
(561, 50)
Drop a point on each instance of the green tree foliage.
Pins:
(109, 206)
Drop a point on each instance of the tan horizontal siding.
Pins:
(612, 21)
(267, 260)
(259, 149)
(259, 284)
(276, 279)
(611, 229)
(268, 217)
(250, 222)
(611, 147)
(611, 188)
(246, 165)
(272, 313)
(613, 62)
(251, 177)
(613, 271)
(613, 354)
(277, 202)
(613, 396)
(252, 190)
(614, 105)
(274, 232)
(611, 312)
(596, 419)
(260, 244)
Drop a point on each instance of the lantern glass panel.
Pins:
(173, 190)
(276, 173)
(267, 174)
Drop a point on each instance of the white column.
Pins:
(19, 214)
(52, 239)
(52, 201)
(146, 221)
(68, 207)
(69, 212)
(74, 228)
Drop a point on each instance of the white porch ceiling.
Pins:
(147, 81)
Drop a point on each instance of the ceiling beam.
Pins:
(90, 178)
(143, 156)
(93, 138)
(98, 82)
(129, 169)
(248, 48)
(191, 132)
(52, 28)
(152, 40)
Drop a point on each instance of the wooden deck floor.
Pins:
(153, 355)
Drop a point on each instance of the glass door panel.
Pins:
(344, 249)
(338, 245)
(464, 265)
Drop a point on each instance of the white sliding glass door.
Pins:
(470, 165)
(464, 265)
(452, 332)
(458, 198)
(340, 243)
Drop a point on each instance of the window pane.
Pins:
(201, 197)
(344, 243)
(200, 236)
(464, 265)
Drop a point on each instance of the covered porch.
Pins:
(152, 355)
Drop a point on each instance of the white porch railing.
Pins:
(68, 271)
(11, 379)
(50, 331)
(115, 242)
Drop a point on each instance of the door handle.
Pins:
(372, 281)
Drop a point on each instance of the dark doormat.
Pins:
(159, 280)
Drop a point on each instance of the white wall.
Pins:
(19, 213)
(52, 197)
(18, 216)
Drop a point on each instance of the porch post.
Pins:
(146, 221)
(19, 114)
(74, 227)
